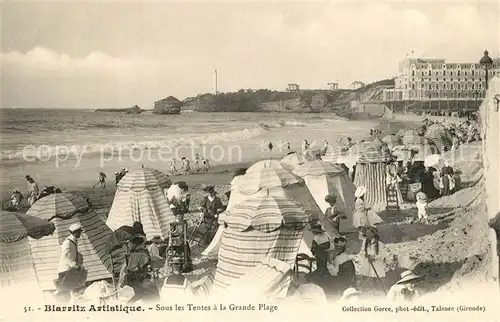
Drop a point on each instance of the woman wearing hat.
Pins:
(371, 267)
(319, 248)
(179, 198)
(404, 289)
(363, 215)
(332, 213)
(211, 206)
(341, 266)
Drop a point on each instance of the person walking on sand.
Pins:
(197, 162)
(101, 179)
(270, 147)
(211, 206)
(33, 190)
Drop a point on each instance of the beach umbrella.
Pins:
(261, 227)
(65, 210)
(324, 178)
(16, 260)
(267, 280)
(271, 164)
(433, 160)
(145, 178)
(15, 226)
(140, 198)
(291, 160)
(62, 205)
(265, 177)
(316, 168)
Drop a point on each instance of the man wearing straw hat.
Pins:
(71, 273)
(404, 289)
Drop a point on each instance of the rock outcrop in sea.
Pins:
(130, 110)
(169, 105)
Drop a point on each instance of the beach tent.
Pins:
(392, 140)
(16, 260)
(371, 172)
(440, 137)
(323, 178)
(261, 227)
(272, 164)
(163, 180)
(267, 280)
(291, 160)
(139, 197)
(64, 210)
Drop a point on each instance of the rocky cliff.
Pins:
(169, 105)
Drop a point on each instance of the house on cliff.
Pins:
(357, 85)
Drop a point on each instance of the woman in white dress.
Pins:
(371, 267)
(363, 214)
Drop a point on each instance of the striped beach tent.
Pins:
(371, 172)
(260, 227)
(64, 210)
(291, 160)
(163, 180)
(139, 197)
(323, 178)
(16, 260)
(267, 280)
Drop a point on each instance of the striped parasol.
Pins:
(140, 197)
(291, 160)
(333, 153)
(316, 168)
(268, 279)
(16, 226)
(62, 205)
(266, 178)
(266, 213)
(262, 226)
(92, 244)
(268, 164)
(372, 152)
(144, 179)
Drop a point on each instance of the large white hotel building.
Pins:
(435, 79)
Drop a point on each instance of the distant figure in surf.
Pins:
(270, 146)
(101, 179)
(288, 146)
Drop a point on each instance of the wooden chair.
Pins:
(299, 263)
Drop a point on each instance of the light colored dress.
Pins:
(365, 268)
(363, 216)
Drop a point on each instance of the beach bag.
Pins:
(413, 189)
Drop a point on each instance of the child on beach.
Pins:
(333, 214)
(15, 200)
(422, 207)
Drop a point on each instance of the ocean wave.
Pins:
(196, 140)
(281, 124)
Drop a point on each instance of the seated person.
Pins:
(179, 198)
(211, 206)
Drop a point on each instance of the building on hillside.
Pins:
(357, 84)
(292, 87)
(333, 86)
(435, 79)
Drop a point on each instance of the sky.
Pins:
(118, 54)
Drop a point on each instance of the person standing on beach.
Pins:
(101, 179)
(206, 164)
(288, 146)
(197, 162)
(33, 190)
(186, 168)
(173, 167)
(270, 146)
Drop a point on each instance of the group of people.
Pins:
(200, 165)
(336, 273)
(34, 193)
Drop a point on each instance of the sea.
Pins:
(50, 143)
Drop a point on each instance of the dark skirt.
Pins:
(71, 280)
